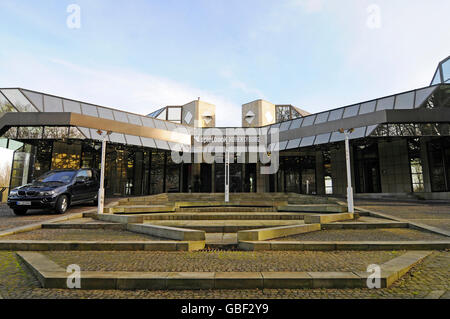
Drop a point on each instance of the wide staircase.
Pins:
(222, 220)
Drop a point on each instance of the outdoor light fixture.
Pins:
(349, 175)
(101, 191)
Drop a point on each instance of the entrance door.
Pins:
(367, 170)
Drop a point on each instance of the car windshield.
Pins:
(62, 177)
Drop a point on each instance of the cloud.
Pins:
(235, 83)
(119, 88)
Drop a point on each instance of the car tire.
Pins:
(20, 212)
(62, 203)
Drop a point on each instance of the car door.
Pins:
(92, 184)
(80, 190)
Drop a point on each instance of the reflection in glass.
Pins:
(75, 133)
(35, 98)
(66, 156)
(32, 132)
(5, 106)
(52, 132)
(446, 71)
(19, 101)
(11, 133)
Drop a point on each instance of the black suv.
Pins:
(56, 190)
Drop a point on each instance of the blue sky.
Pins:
(141, 55)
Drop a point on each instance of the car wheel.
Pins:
(62, 204)
(20, 212)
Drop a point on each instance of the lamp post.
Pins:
(349, 174)
(101, 190)
(227, 176)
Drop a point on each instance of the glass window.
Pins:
(162, 115)
(368, 107)
(160, 125)
(11, 133)
(52, 104)
(285, 126)
(161, 144)
(74, 132)
(30, 132)
(5, 106)
(35, 98)
(370, 129)
(51, 132)
(72, 106)
(404, 101)
(147, 121)
(336, 115)
(293, 143)
(296, 123)
(117, 138)
(322, 138)
(85, 131)
(105, 113)
(120, 116)
(436, 77)
(283, 145)
(88, 109)
(95, 135)
(309, 120)
(171, 126)
(134, 119)
(337, 137)
(358, 132)
(19, 101)
(174, 114)
(422, 95)
(133, 140)
(386, 103)
(283, 113)
(322, 118)
(307, 141)
(148, 142)
(446, 71)
(351, 111)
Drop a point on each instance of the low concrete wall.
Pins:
(329, 218)
(276, 232)
(167, 232)
(318, 208)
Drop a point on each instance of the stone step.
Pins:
(132, 209)
(225, 216)
(230, 209)
(320, 208)
(229, 226)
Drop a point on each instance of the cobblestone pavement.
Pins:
(434, 214)
(431, 275)
(82, 235)
(225, 261)
(9, 220)
(384, 234)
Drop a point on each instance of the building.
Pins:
(400, 144)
